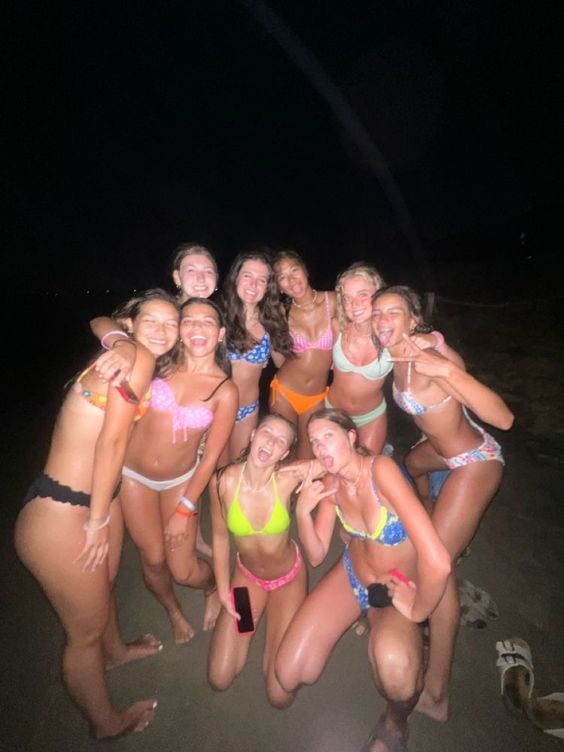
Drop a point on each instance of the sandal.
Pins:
(515, 666)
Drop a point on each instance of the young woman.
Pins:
(164, 474)
(256, 330)
(69, 532)
(194, 271)
(394, 549)
(301, 382)
(251, 501)
(360, 366)
(435, 389)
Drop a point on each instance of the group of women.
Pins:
(172, 407)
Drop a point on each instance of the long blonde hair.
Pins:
(358, 269)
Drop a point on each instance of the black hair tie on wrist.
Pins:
(378, 596)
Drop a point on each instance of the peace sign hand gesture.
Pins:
(311, 493)
(427, 362)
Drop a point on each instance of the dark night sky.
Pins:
(139, 126)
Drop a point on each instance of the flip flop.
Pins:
(476, 605)
(515, 666)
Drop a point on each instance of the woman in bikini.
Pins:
(256, 330)
(164, 474)
(250, 500)
(194, 271)
(394, 558)
(300, 384)
(359, 365)
(433, 387)
(69, 532)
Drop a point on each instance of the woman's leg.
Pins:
(142, 514)
(421, 461)
(462, 501)
(185, 566)
(48, 538)
(229, 649)
(324, 616)
(116, 651)
(395, 651)
(373, 434)
(281, 607)
(241, 435)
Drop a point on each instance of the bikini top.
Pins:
(408, 403)
(325, 341)
(258, 356)
(101, 400)
(197, 418)
(389, 530)
(373, 371)
(239, 525)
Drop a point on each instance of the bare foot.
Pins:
(212, 609)
(142, 647)
(360, 627)
(181, 627)
(437, 710)
(134, 719)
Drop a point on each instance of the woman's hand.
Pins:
(301, 468)
(402, 591)
(227, 604)
(116, 365)
(427, 361)
(175, 531)
(311, 493)
(95, 549)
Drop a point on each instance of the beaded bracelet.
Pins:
(93, 528)
(440, 341)
(108, 334)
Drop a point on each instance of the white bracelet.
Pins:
(108, 334)
(187, 503)
(93, 528)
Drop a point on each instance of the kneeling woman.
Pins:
(393, 543)
(250, 500)
(69, 532)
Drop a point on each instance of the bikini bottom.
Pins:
(365, 418)
(279, 581)
(46, 487)
(159, 485)
(244, 412)
(300, 402)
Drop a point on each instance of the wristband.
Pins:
(108, 334)
(186, 508)
(91, 528)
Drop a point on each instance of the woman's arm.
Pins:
(109, 453)
(433, 560)
(277, 358)
(220, 545)
(315, 534)
(116, 364)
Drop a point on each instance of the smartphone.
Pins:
(242, 604)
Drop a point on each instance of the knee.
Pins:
(154, 566)
(397, 669)
(185, 572)
(291, 674)
(277, 695)
(219, 679)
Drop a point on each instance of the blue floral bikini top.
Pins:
(258, 356)
(389, 530)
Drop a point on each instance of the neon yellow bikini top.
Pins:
(239, 525)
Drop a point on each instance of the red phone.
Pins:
(242, 604)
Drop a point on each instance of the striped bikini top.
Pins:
(373, 371)
(325, 341)
(408, 403)
(258, 356)
(101, 400)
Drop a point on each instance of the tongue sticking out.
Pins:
(263, 455)
(328, 462)
(384, 338)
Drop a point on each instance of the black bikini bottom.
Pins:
(44, 486)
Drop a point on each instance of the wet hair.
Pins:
(264, 419)
(341, 419)
(132, 308)
(358, 269)
(269, 310)
(413, 302)
(220, 354)
(287, 254)
(189, 249)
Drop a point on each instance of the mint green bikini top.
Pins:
(373, 371)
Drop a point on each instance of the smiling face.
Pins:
(331, 444)
(271, 442)
(391, 319)
(200, 330)
(291, 278)
(356, 296)
(156, 326)
(252, 281)
(197, 276)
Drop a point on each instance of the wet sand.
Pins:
(517, 556)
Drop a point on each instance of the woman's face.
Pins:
(356, 296)
(200, 331)
(291, 278)
(252, 281)
(331, 444)
(271, 442)
(197, 276)
(156, 326)
(391, 319)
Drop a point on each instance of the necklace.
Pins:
(248, 485)
(355, 481)
(306, 306)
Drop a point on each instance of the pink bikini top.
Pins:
(183, 418)
(325, 342)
